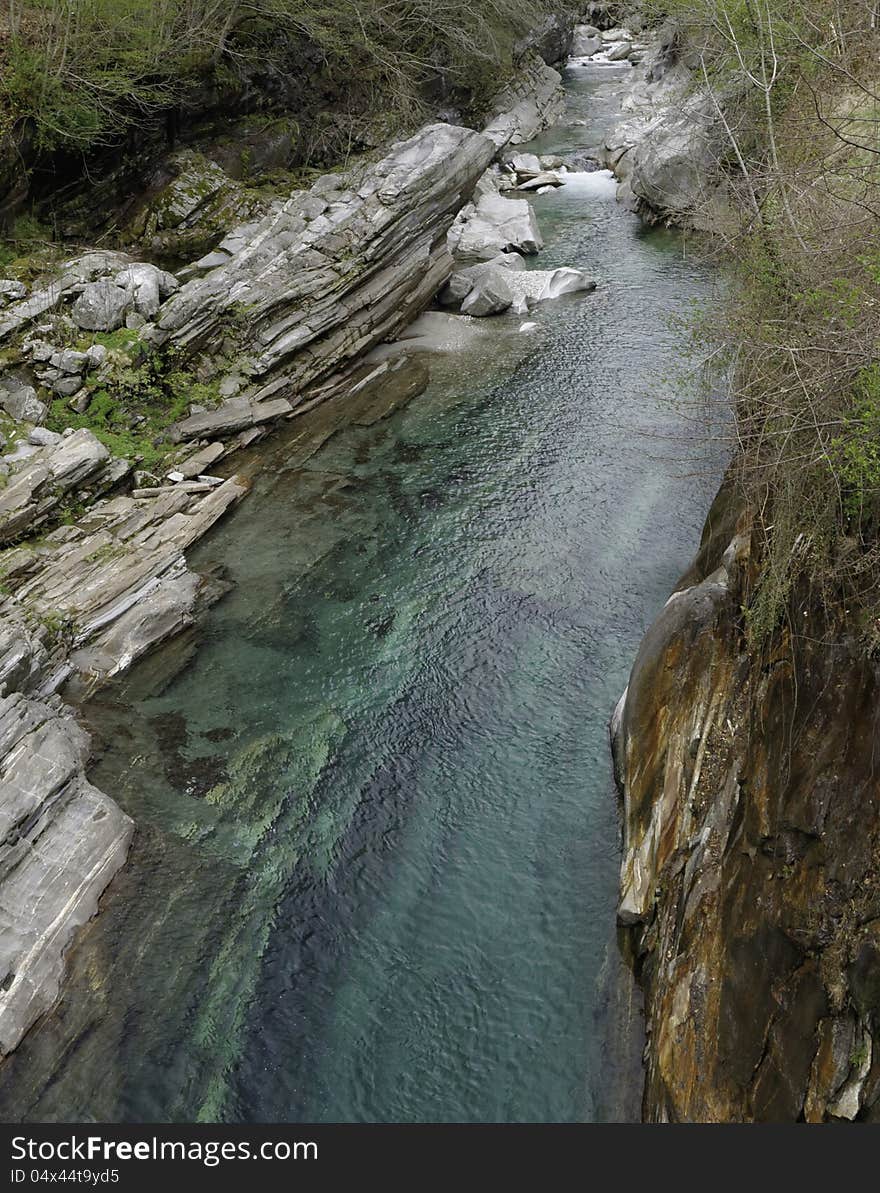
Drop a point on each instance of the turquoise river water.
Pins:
(375, 870)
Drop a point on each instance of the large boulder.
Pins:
(148, 286)
(525, 165)
(11, 291)
(498, 225)
(666, 151)
(619, 52)
(102, 306)
(549, 36)
(540, 181)
(307, 289)
(19, 399)
(541, 285)
(464, 279)
(586, 41)
(673, 168)
(491, 293)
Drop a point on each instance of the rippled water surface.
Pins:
(375, 870)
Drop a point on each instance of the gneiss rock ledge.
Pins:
(315, 285)
(61, 840)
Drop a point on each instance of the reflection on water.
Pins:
(375, 868)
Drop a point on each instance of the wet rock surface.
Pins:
(88, 600)
(61, 840)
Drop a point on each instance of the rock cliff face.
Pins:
(751, 870)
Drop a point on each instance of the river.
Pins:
(375, 871)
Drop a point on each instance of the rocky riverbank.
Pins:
(751, 847)
(294, 302)
(123, 388)
(749, 880)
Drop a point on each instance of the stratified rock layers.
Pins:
(278, 313)
(96, 597)
(62, 842)
(311, 287)
(292, 299)
(752, 852)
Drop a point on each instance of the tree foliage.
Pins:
(797, 90)
(82, 71)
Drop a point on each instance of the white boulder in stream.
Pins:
(494, 288)
(541, 285)
(490, 273)
(491, 293)
(586, 41)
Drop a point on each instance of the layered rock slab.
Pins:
(62, 841)
(313, 286)
(89, 600)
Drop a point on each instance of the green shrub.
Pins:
(857, 451)
(131, 413)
